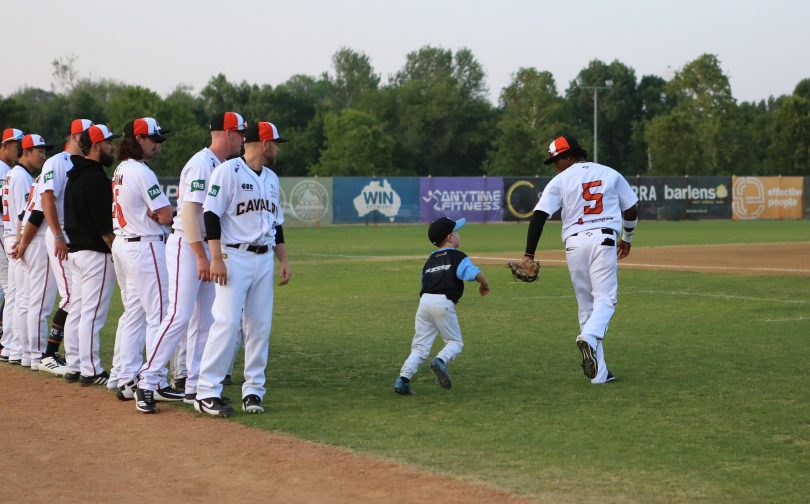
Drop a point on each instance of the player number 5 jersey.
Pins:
(591, 196)
(247, 203)
(136, 190)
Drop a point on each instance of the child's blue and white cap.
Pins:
(441, 227)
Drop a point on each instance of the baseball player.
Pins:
(443, 277)
(191, 294)
(141, 209)
(243, 222)
(18, 190)
(44, 250)
(9, 155)
(88, 199)
(597, 204)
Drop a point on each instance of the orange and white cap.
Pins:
(34, 141)
(145, 126)
(560, 146)
(228, 121)
(262, 132)
(79, 125)
(12, 135)
(95, 134)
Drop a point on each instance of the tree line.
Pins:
(433, 118)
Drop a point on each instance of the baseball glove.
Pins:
(524, 270)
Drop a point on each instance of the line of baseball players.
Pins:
(205, 270)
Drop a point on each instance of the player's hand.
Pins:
(203, 269)
(60, 249)
(622, 249)
(152, 215)
(286, 274)
(483, 289)
(219, 272)
(17, 251)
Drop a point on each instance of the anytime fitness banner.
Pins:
(360, 200)
(306, 201)
(477, 199)
(678, 198)
(768, 198)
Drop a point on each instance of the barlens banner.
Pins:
(678, 198)
(306, 201)
(768, 198)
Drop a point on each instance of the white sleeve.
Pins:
(151, 192)
(220, 191)
(627, 197)
(197, 173)
(550, 199)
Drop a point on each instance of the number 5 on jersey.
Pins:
(595, 197)
(118, 213)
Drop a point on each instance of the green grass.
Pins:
(711, 404)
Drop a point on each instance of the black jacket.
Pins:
(88, 206)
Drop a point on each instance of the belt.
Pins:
(131, 239)
(606, 231)
(258, 249)
(183, 233)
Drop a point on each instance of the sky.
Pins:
(763, 47)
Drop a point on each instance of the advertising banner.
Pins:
(359, 200)
(169, 186)
(307, 201)
(806, 198)
(520, 195)
(477, 199)
(768, 198)
(679, 198)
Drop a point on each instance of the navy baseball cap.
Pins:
(441, 227)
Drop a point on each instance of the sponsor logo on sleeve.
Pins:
(48, 176)
(154, 191)
(197, 185)
(214, 190)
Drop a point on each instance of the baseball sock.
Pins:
(57, 332)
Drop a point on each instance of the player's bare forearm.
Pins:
(108, 239)
(203, 265)
(484, 287)
(60, 248)
(219, 272)
(622, 249)
(281, 253)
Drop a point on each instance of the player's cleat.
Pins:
(3, 358)
(72, 376)
(169, 394)
(15, 362)
(54, 364)
(145, 400)
(228, 380)
(126, 392)
(589, 366)
(213, 406)
(99, 379)
(190, 398)
(25, 362)
(252, 404)
(439, 368)
(35, 364)
(610, 377)
(402, 387)
(180, 383)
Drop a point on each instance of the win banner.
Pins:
(477, 199)
(362, 200)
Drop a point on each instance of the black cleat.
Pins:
(213, 406)
(72, 376)
(252, 404)
(589, 366)
(169, 394)
(99, 379)
(145, 400)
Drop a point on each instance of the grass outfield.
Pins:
(710, 405)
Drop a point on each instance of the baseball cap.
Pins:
(441, 227)
(228, 121)
(34, 141)
(560, 146)
(79, 125)
(95, 134)
(263, 131)
(145, 126)
(12, 135)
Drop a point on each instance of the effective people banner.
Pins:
(359, 200)
(477, 199)
(768, 198)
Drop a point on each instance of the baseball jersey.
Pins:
(34, 203)
(445, 272)
(4, 169)
(591, 196)
(15, 196)
(193, 183)
(54, 179)
(247, 203)
(136, 190)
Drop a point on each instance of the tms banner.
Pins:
(360, 200)
(477, 199)
(520, 195)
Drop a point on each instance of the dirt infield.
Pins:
(96, 448)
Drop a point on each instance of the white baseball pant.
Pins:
(91, 291)
(7, 339)
(250, 286)
(62, 276)
(41, 296)
(593, 268)
(188, 317)
(20, 313)
(436, 314)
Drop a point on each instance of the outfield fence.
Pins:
(317, 201)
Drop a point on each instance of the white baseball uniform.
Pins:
(249, 209)
(40, 281)
(592, 198)
(140, 254)
(188, 316)
(4, 169)
(15, 196)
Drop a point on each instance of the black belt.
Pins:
(257, 249)
(144, 238)
(606, 231)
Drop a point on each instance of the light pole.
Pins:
(608, 85)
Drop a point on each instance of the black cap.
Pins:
(562, 145)
(441, 227)
(263, 131)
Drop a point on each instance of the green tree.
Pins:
(185, 115)
(131, 102)
(354, 80)
(654, 102)
(356, 144)
(789, 132)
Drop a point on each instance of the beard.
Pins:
(106, 159)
